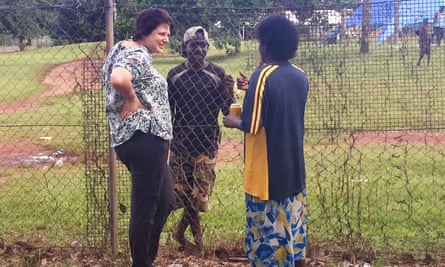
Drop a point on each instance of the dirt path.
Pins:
(66, 78)
(61, 79)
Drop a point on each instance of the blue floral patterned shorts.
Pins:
(276, 231)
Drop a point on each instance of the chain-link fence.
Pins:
(374, 127)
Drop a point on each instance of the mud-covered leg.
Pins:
(195, 226)
(179, 231)
(300, 263)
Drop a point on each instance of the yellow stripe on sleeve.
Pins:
(258, 98)
(298, 68)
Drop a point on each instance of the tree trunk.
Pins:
(366, 27)
(395, 39)
(22, 43)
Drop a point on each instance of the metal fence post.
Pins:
(109, 17)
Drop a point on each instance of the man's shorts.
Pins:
(276, 231)
(193, 180)
(425, 49)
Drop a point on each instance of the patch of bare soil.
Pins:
(62, 79)
(23, 252)
(20, 252)
(397, 137)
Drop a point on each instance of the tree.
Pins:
(69, 21)
(248, 13)
(24, 21)
(79, 21)
(366, 27)
(225, 19)
(75, 21)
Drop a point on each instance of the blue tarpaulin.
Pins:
(411, 13)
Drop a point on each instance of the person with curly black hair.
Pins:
(274, 170)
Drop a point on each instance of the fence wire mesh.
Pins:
(375, 131)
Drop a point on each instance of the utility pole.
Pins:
(109, 21)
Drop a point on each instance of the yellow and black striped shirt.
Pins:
(273, 122)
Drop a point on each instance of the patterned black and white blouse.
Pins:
(150, 88)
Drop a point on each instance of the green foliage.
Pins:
(223, 19)
(75, 21)
(79, 21)
(4, 37)
(24, 21)
(70, 21)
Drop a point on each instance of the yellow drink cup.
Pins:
(235, 109)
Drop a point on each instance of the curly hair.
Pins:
(279, 36)
(149, 19)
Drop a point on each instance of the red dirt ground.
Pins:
(59, 80)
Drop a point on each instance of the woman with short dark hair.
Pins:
(140, 129)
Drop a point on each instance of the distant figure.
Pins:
(439, 24)
(424, 41)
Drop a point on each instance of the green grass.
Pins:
(391, 196)
(384, 196)
(383, 90)
(48, 203)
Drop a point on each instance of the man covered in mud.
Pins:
(198, 91)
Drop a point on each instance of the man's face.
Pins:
(196, 49)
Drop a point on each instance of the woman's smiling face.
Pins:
(158, 39)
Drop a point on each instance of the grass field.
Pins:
(373, 196)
